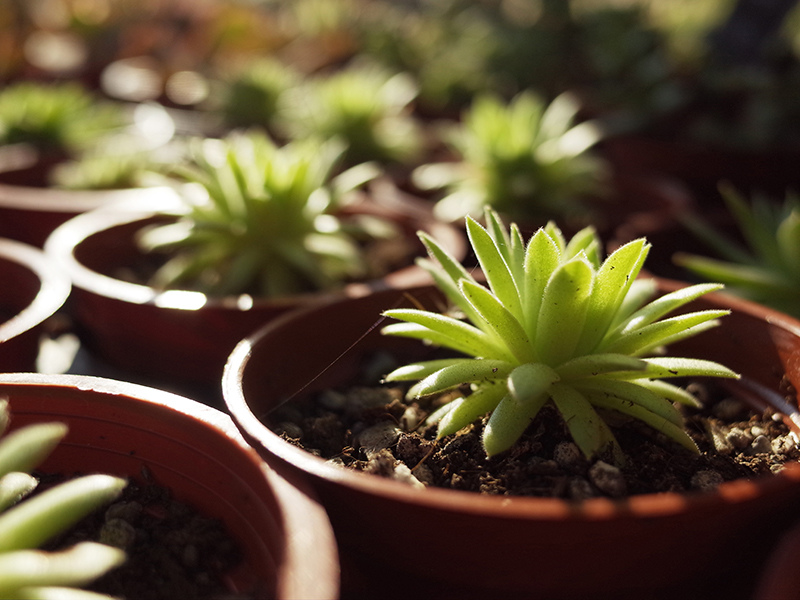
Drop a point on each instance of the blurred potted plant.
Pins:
(765, 269)
(63, 151)
(527, 159)
(532, 161)
(151, 437)
(366, 107)
(268, 229)
(26, 571)
(682, 535)
(34, 288)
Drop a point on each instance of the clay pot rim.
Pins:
(73, 201)
(657, 505)
(291, 493)
(54, 287)
(64, 240)
(57, 200)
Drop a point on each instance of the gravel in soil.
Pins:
(172, 550)
(376, 430)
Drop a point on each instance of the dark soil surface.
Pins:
(374, 429)
(172, 551)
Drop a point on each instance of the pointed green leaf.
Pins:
(668, 303)
(788, 239)
(497, 319)
(631, 392)
(670, 366)
(593, 365)
(637, 411)
(76, 566)
(14, 486)
(460, 372)
(481, 401)
(667, 331)
(670, 392)
(614, 278)
(494, 268)
(419, 370)
(589, 431)
(25, 448)
(445, 331)
(508, 422)
(541, 259)
(563, 311)
(33, 522)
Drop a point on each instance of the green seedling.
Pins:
(766, 268)
(263, 219)
(27, 523)
(554, 323)
(525, 159)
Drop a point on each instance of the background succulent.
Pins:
(366, 107)
(763, 265)
(25, 571)
(262, 219)
(554, 324)
(57, 117)
(526, 159)
(251, 95)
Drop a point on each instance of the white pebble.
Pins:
(783, 444)
(379, 436)
(739, 438)
(403, 474)
(706, 480)
(608, 478)
(580, 489)
(761, 445)
(566, 454)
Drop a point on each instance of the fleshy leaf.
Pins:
(461, 371)
(481, 401)
(563, 311)
(588, 429)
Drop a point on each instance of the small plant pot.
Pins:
(194, 451)
(30, 210)
(33, 289)
(451, 543)
(179, 336)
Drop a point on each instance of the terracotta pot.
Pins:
(460, 544)
(180, 336)
(194, 450)
(30, 210)
(33, 289)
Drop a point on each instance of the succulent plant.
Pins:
(251, 96)
(366, 107)
(555, 324)
(98, 171)
(61, 117)
(262, 219)
(526, 159)
(26, 571)
(765, 269)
